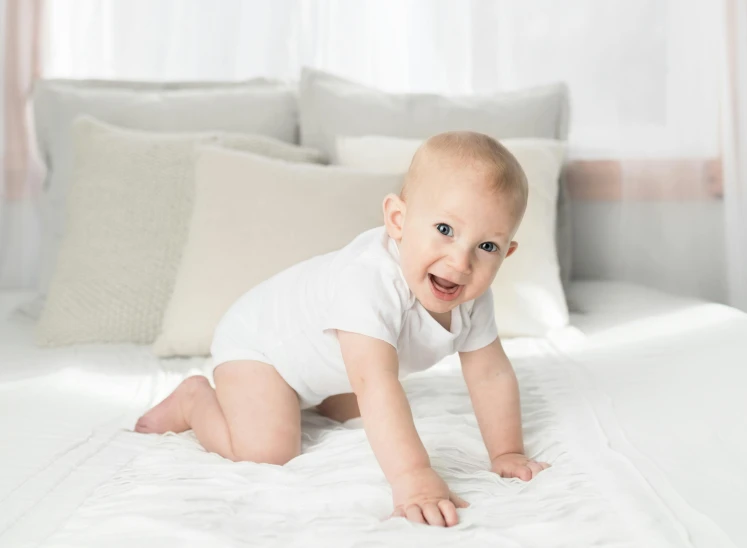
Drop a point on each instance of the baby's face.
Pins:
(456, 232)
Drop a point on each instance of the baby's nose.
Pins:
(461, 261)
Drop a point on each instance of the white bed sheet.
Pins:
(639, 408)
(667, 377)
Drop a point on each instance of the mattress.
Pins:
(638, 405)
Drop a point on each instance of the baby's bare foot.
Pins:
(168, 416)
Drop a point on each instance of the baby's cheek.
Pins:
(495, 267)
(485, 279)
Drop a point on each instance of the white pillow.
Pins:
(254, 217)
(127, 218)
(528, 293)
(258, 107)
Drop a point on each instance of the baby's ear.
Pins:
(511, 248)
(394, 216)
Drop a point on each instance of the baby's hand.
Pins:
(516, 465)
(423, 497)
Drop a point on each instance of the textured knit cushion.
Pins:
(527, 292)
(255, 107)
(254, 217)
(127, 217)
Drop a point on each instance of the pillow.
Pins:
(127, 218)
(528, 294)
(257, 107)
(330, 106)
(254, 217)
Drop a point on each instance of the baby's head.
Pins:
(454, 221)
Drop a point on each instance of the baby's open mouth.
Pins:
(444, 289)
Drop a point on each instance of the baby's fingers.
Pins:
(523, 472)
(442, 514)
(399, 512)
(449, 512)
(458, 501)
(414, 513)
(535, 467)
(432, 514)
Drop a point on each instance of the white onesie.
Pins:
(290, 320)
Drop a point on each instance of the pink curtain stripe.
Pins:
(21, 67)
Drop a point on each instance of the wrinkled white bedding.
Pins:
(639, 408)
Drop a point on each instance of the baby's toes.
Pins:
(142, 425)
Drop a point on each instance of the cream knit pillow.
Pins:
(254, 217)
(127, 215)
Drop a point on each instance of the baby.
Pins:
(338, 332)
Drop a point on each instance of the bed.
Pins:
(639, 406)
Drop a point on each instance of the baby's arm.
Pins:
(419, 493)
(495, 397)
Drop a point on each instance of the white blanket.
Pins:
(639, 409)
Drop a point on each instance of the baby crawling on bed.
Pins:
(338, 332)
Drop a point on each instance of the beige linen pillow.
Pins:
(527, 292)
(127, 217)
(254, 217)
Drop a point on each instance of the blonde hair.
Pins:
(480, 151)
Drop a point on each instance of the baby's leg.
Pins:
(341, 407)
(252, 414)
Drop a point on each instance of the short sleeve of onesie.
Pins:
(483, 330)
(370, 302)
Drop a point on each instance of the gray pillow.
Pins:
(257, 107)
(330, 106)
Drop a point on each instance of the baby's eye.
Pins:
(490, 247)
(445, 229)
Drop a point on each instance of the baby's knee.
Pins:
(278, 455)
(277, 446)
(195, 383)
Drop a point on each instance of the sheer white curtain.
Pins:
(422, 44)
(735, 150)
(20, 177)
(647, 80)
